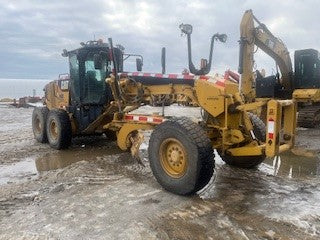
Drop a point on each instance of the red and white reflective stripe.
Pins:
(203, 77)
(141, 118)
(271, 126)
(158, 75)
(232, 76)
(220, 83)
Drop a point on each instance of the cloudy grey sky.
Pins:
(33, 32)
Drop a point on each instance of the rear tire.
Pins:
(259, 129)
(39, 119)
(181, 156)
(243, 162)
(59, 130)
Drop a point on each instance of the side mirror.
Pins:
(185, 28)
(97, 59)
(221, 37)
(139, 64)
(203, 63)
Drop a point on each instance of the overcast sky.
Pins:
(34, 32)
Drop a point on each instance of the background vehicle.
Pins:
(301, 83)
(307, 87)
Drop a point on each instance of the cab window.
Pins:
(94, 82)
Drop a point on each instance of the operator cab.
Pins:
(89, 66)
(307, 68)
(89, 92)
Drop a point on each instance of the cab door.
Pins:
(89, 91)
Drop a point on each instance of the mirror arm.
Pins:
(192, 68)
(127, 55)
(206, 70)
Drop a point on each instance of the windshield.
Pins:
(88, 84)
(94, 86)
(74, 75)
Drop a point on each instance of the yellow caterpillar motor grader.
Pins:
(180, 150)
(302, 83)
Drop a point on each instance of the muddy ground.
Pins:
(95, 191)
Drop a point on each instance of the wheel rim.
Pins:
(37, 125)
(173, 158)
(53, 130)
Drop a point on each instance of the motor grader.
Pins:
(301, 83)
(181, 151)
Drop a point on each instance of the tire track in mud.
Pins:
(240, 205)
(13, 198)
(218, 220)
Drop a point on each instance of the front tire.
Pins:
(181, 156)
(39, 119)
(59, 130)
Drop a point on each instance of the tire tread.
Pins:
(195, 133)
(66, 132)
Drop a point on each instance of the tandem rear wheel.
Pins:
(58, 128)
(181, 156)
(39, 119)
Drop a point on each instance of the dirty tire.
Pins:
(111, 135)
(39, 118)
(59, 130)
(259, 129)
(199, 155)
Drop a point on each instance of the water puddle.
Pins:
(65, 158)
(296, 164)
(299, 163)
(18, 171)
(29, 167)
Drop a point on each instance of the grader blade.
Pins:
(136, 141)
